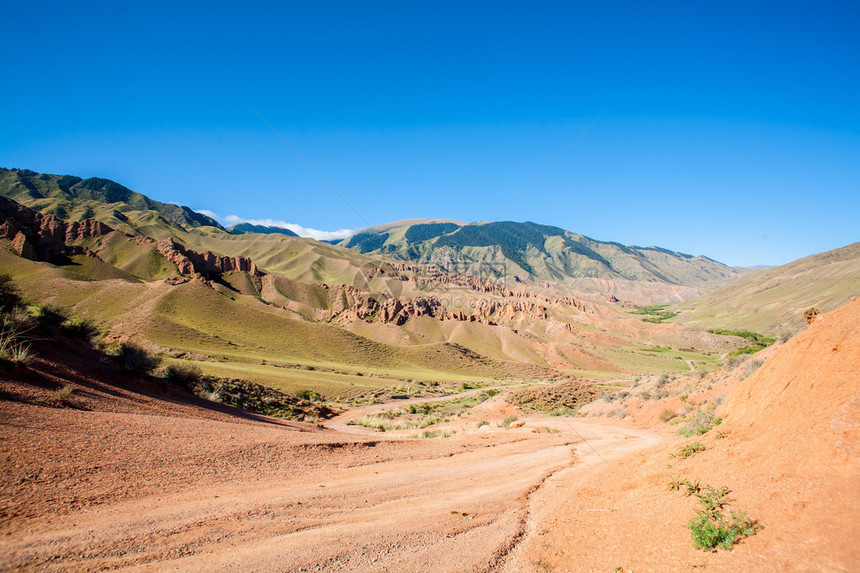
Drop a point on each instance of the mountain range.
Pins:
(499, 250)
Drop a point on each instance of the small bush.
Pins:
(308, 395)
(809, 314)
(700, 423)
(184, 375)
(506, 423)
(689, 450)
(620, 412)
(63, 395)
(712, 528)
(666, 415)
(482, 423)
(137, 360)
(12, 346)
(751, 366)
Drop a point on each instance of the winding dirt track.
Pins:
(321, 500)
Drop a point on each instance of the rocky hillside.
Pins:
(537, 252)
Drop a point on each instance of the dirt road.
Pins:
(319, 502)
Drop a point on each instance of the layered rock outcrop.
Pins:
(41, 237)
(206, 265)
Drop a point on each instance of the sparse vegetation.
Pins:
(666, 415)
(506, 423)
(260, 399)
(62, 396)
(809, 314)
(421, 415)
(13, 347)
(655, 313)
(701, 422)
(689, 450)
(756, 341)
(751, 366)
(560, 399)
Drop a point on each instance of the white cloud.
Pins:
(207, 212)
(297, 229)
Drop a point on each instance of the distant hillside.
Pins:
(243, 228)
(775, 298)
(540, 252)
(72, 198)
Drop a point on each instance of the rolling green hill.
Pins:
(773, 299)
(539, 252)
(71, 198)
(243, 228)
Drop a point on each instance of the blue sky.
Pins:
(729, 129)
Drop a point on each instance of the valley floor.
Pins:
(93, 490)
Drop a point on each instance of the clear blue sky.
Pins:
(731, 129)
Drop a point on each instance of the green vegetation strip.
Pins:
(655, 313)
(757, 341)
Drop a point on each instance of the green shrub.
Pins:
(700, 423)
(184, 375)
(712, 528)
(666, 415)
(137, 360)
(63, 395)
(308, 395)
(689, 450)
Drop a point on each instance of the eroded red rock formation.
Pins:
(41, 237)
(206, 265)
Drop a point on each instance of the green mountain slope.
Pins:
(72, 198)
(775, 298)
(244, 228)
(539, 252)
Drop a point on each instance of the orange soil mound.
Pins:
(807, 397)
(788, 451)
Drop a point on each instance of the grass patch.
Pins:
(63, 396)
(689, 450)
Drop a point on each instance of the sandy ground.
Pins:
(94, 490)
